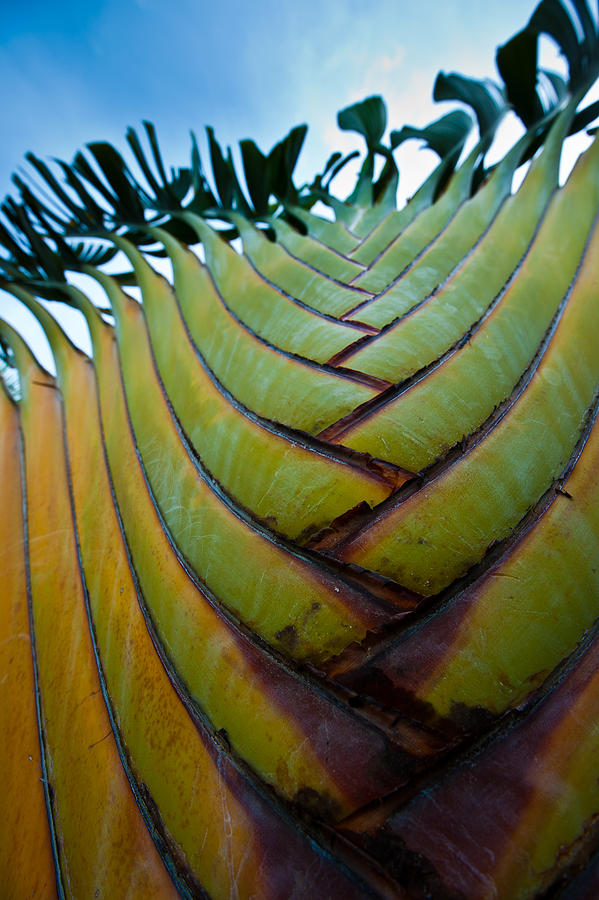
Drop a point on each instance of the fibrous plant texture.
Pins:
(300, 569)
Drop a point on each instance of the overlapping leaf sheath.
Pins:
(300, 581)
(24, 806)
(81, 757)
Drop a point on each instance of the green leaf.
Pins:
(256, 175)
(517, 64)
(282, 161)
(485, 98)
(168, 192)
(118, 176)
(151, 133)
(95, 212)
(517, 60)
(551, 18)
(90, 212)
(331, 162)
(584, 117)
(368, 118)
(227, 185)
(135, 144)
(203, 196)
(443, 136)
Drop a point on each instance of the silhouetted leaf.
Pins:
(203, 197)
(86, 213)
(368, 118)
(282, 161)
(94, 212)
(584, 117)
(517, 60)
(256, 175)
(227, 185)
(443, 135)
(484, 97)
(118, 176)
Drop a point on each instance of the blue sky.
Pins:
(74, 72)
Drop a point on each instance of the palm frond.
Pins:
(301, 563)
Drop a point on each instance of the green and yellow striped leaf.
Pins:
(300, 566)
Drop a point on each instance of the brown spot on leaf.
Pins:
(318, 805)
(287, 636)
